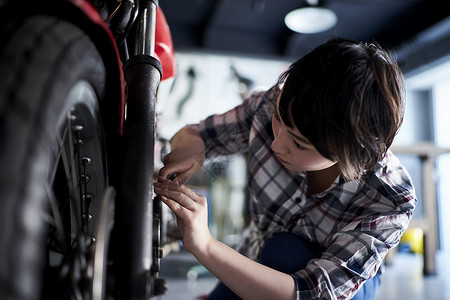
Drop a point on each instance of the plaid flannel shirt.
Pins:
(354, 223)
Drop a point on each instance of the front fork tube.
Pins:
(146, 27)
(142, 75)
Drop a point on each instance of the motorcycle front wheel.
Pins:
(56, 209)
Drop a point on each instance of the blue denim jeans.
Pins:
(281, 253)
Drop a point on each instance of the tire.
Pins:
(53, 167)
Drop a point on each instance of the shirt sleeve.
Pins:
(229, 133)
(373, 223)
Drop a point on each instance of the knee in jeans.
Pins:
(287, 252)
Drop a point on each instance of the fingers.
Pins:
(174, 206)
(182, 195)
(185, 162)
(168, 171)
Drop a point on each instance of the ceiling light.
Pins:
(310, 19)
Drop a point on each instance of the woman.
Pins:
(328, 199)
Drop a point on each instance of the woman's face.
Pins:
(293, 150)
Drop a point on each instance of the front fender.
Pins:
(86, 16)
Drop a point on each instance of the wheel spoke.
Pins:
(72, 243)
(70, 167)
(57, 220)
(58, 154)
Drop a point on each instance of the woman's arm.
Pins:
(247, 278)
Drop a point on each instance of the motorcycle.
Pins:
(78, 85)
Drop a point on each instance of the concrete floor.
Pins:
(403, 280)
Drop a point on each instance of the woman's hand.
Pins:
(191, 210)
(186, 158)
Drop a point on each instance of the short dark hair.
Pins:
(347, 99)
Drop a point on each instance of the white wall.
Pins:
(442, 113)
(215, 88)
(436, 80)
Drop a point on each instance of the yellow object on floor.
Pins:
(414, 238)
